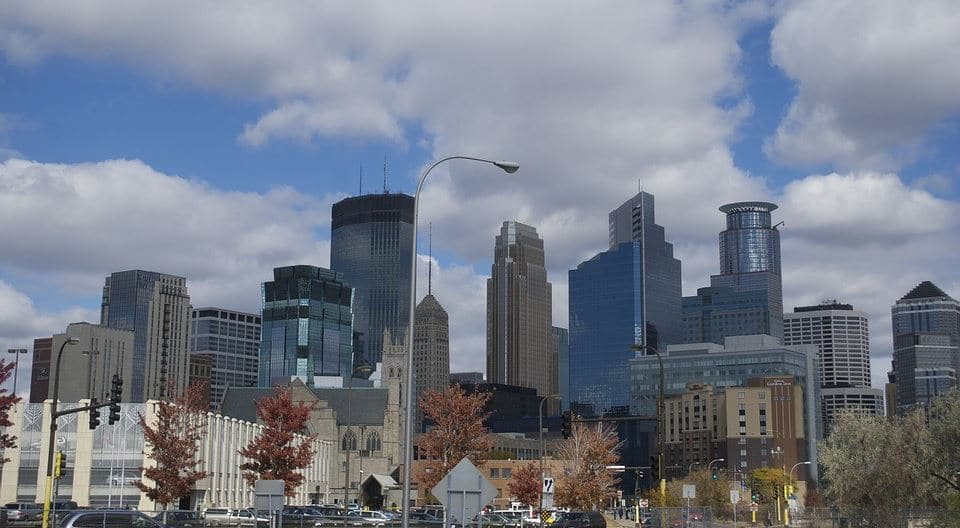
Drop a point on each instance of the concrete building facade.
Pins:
(231, 339)
(431, 350)
(89, 366)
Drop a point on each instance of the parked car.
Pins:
(232, 517)
(180, 518)
(108, 519)
(23, 511)
(422, 517)
(300, 516)
(373, 517)
(579, 519)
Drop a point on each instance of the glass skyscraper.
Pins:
(926, 345)
(307, 329)
(628, 295)
(156, 308)
(371, 240)
(746, 298)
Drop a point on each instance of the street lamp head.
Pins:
(508, 166)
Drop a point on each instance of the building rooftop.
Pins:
(367, 405)
(926, 290)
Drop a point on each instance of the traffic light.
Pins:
(714, 475)
(116, 390)
(654, 468)
(566, 421)
(94, 414)
(59, 464)
(754, 496)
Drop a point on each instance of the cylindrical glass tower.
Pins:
(750, 243)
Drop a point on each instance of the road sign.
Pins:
(547, 485)
(754, 507)
(464, 491)
(734, 496)
(644, 503)
(689, 491)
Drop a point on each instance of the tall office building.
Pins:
(371, 240)
(156, 308)
(926, 345)
(746, 298)
(843, 337)
(307, 330)
(520, 348)
(628, 295)
(40, 369)
(231, 340)
(431, 349)
(105, 352)
(561, 338)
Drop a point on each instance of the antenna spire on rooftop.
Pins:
(386, 189)
(430, 253)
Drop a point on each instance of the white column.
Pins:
(10, 474)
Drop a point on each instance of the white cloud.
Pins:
(872, 81)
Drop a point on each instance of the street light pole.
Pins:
(786, 499)
(540, 415)
(53, 431)
(661, 419)
(508, 166)
(16, 364)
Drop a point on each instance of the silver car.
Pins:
(108, 519)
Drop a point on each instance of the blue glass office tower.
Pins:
(926, 345)
(746, 298)
(307, 326)
(561, 338)
(371, 241)
(625, 296)
(156, 308)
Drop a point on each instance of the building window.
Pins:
(373, 442)
(349, 442)
(494, 473)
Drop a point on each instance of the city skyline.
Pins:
(755, 104)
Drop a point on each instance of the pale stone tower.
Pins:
(393, 364)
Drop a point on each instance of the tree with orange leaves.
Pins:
(7, 401)
(524, 485)
(282, 449)
(173, 442)
(587, 483)
(458, 432)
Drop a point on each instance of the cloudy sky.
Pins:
(209, 140)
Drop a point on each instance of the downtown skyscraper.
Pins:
(746, 298)
(431, 348)
(156, 308)
(926, 345)
(371, 241)
(628, 295)
(520, 344)
(306, 330)
(231, 341)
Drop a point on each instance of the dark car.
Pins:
(180, 518)
(108, 519)
(580, 519)
(297, 516)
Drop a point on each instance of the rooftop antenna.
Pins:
(430, 253)
(361, 179)
(386, 190)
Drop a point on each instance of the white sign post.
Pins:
(689, 492)
(547, 492)
(734, 499)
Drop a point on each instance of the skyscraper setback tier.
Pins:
(431, 350)
(306, 326)
(746, 298)
(926, 345)
(231, 340)
(371, 241)
(842, 336)
(520, 347)
(156, 308)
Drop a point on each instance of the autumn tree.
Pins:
(173, 442)
(524, 485)
(459, 432)
(587, 483)
(7, 401)
(282, 449)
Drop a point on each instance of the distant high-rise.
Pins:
(926, 345)
(231, 340)
(40, 369)
(843, 337)
(561, 338)
(107, 351)
(628, 295)
(746, 298)
(371, 240)
(156, 308)
(520, 348)
(306, 326)
(431, 349)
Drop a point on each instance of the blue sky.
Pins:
(269, 112)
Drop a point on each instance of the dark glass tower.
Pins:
(625, 296)
(306, 327)
(926, 345)
(370, 244)
(747, 296)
